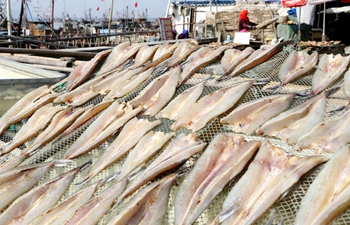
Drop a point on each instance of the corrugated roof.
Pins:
(203, 3)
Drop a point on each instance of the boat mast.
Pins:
(9, 19)
(110, 21)
(52, 13)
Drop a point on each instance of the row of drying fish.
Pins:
(269, 175)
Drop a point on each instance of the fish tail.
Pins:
(261, 81)
(83, 180)
(223, 78)
(273, 218)
(331, 91)
(84, 165)
(226, 213)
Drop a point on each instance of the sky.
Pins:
(76, 8)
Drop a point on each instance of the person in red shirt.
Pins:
(244, 22)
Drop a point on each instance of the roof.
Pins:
(206, 3)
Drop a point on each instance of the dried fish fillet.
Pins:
(144, 55)
(329, 193)
(222, 160)
(149, 206)
(233, 57)
(246, 118)
(271, 173)
(292, 124)
(184, 49)
(210, 106)
(163, 53)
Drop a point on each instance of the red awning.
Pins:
(294, 3)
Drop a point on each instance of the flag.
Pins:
(136, 5)
(98, 8)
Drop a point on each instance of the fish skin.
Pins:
(143, 151)
(269, 175)
(329, 194)
(200, 58)
(84, 70)
(181, 148)
(26, 106)
(12, 163)
(86, 116)
(38, 200)
(249, 116)
(329, 69)
(61, 121)
(144, 55)
(125, 87)
(95, 209)
(149, 206)
(131, 133)
(179, 105)
(327, 136)
(297, 64)
(233, 57)
(291, 124)
(115, 116)
(223, 159)
(158, 93)
(346, 84)
(36, 123)
(15, 182)
(210, 106)
(257, 57)
(184, 49)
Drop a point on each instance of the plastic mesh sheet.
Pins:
(286, 208)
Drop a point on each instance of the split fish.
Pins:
(292, 124)
(35, 124)
(131, 133)
(163, 53)
(143, 151)
(61, 121)
(184, 49)
(13, 162)
(144, 55)
(249, 116)
(119, 55)
(222, 160)
(181, 148)
(329, 69)
(26, 106)
(269, 175)
(329, 194)
(182, 102)
(125, 87)
(110, 120)
(327, 136)
(257, 57)
(84, 70)
(38, 200)
(200, 58)
(158, 93)
(149, 206)
(211, 106)
(91, 212)
(233, 57)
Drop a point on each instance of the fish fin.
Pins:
(261, 81)
(62, 162)
(331, 91)
(84, 165)
(83, 181)
(341, 108)
(273, 218)
(303, 94)
(223, 78)
(226, 213)
(184, 171)
(164, 70)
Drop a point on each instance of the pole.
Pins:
(52, 14)
(324, 38)
(110, 21)
(299, 31)
(20, 18)
(167, 9)
(9, 19)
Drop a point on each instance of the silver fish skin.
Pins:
(84, 70)
(249, 116)
(329, 69)
(38, 200)
(329, 193)
(149, 206)
(91, 212)
(61, 121)
(181, 148)
(233, 57)
(143, 151)
(158, 93)
(222, 160)
(179, 105)
(59, 214)
(131, 133)
(91, 139)
(269, 175)
(144, 55)
(292, 124)
(36, 123)
(327, 136)
(125, 87)
(15, 182)
(297, 64)
(184, 49)
(210, 106)
(26, 106)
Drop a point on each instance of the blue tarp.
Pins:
(201, 2)
(273, 1)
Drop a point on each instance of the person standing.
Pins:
(244, 22)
